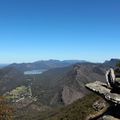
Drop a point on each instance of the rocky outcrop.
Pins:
(102, 89)
(108, 117)
(69, 95)
(113, 98)
(100, 107)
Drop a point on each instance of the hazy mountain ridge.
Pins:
(3, 65)
(44, 64)
(112, 62)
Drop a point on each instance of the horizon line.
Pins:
(18, 62)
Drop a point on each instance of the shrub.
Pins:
(6, 112)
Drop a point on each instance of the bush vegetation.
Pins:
(118, 64)
(79, 110)
(6, 112)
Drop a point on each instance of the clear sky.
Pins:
(32, 30)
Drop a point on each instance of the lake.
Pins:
(34, 72)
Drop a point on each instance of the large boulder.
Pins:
(109, 117)
(101, 89)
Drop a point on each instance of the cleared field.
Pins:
(17, 93)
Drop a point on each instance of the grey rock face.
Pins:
(110, 77)
(108, 117)
(113, 79)
(69, 95)
(102, 89)
(110, 91)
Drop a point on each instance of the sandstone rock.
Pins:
(108, 117)
(102, 89)
(69, 95)
(100, 107)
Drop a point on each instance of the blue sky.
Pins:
(32, 30)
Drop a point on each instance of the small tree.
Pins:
(118, 64)
(6, 112)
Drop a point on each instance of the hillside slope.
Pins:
(78, 110)
(10, 78)
(65, 85)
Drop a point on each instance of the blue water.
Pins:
(34, 72)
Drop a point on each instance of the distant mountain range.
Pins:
(44, 64)
(3, 65)
(49, 64)
(112, 62)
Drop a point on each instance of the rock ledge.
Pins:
(101, 89)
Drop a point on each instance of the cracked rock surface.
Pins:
(102, 89)
(113, 98)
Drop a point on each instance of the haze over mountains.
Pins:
(3, 65)
(45, 64)
(48, 64)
